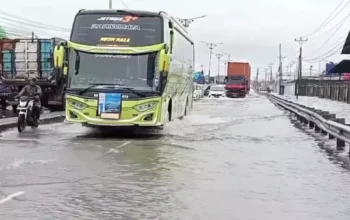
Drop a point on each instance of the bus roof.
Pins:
(138, 12)
(106, 11)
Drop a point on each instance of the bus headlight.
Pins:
(145, 106)
(77, 104)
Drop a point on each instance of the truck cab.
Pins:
(236, 86)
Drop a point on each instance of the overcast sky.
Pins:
(250, 30)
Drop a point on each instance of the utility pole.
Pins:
(110, 4)
(266, 77)
(300, 41)
(211, 46)
(257, 79)
(219, 58)
(280, 69)
(226, 64)
(270, 66)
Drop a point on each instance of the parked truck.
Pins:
(237, 80)
(21, 57)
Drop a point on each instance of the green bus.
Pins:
(127, 68)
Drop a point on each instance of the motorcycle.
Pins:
(25, 113)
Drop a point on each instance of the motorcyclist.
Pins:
(33, 90)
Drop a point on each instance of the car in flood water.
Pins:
(217, 91)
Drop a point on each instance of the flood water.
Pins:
(230, 159)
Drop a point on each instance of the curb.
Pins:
(48, 120)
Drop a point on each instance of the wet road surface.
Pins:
(230, 159)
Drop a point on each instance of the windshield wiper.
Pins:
(94, 85)
(134, 91)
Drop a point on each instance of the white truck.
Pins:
(198, 91)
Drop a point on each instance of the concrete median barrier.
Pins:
(46, 118)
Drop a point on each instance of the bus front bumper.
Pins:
(146, 119)
(129, 116)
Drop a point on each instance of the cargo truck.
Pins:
(237, 80)
(18, 58)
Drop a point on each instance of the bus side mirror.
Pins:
(58, 56)
(171, 24)
(171, 41)
(163, 64)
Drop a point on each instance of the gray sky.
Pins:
(250, 30)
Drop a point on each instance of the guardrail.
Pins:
(322, 122)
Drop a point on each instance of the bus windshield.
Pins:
(117, 30)
(133, 71)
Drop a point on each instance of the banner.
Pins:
(109, 105)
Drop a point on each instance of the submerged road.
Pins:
(230, 159)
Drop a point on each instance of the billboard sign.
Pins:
(330, 66)
(198, 77)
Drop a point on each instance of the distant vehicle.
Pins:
(236, 86)
(216, 91)
(198, 91)
(346, 77)
(238, 79)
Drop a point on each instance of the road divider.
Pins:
(322, 122)
(46, 118)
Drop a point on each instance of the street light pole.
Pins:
(187, 21)
(211, 46)
(110, 4)
(219, 58)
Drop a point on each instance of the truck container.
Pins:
(237, 79)
(19, 57)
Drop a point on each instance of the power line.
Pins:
(22, 20)
(110, 4)
(340, 25)
(329, 18)
(26, 30)
(334, 26)
(122, 1)
(325, 56)
(332, 51)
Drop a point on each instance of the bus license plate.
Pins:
(106, 115)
